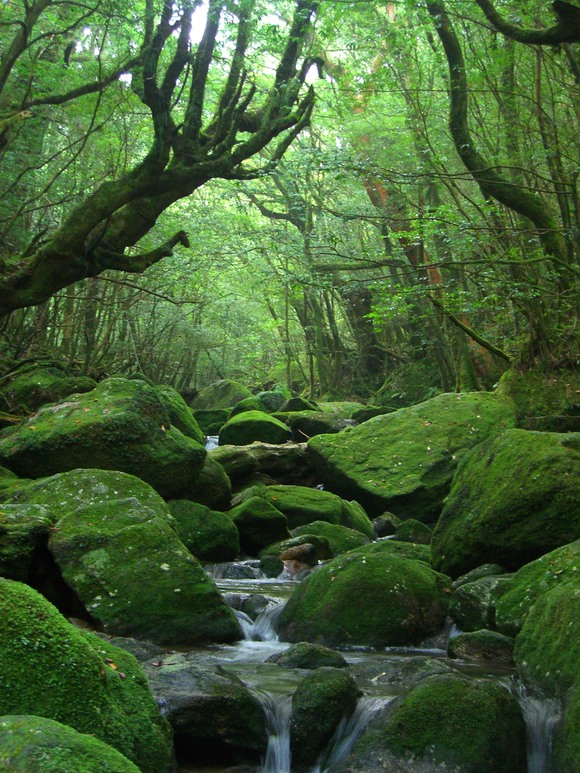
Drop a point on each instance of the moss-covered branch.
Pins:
(566, 29)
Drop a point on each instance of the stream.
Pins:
(382, 676)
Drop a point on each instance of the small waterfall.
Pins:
(211, 442)
(263, 628)
(278, 711)
(348, 731)
(541, 716)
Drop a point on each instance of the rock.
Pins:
(24, 531)
(307, 424)
(34, 386)
(247, 404)
(319, 703)
(483, 646)
(340, 538)
(386, 524)
(259, 524)
(250, 426)
(298, 404)
(404, 461)
(215, 718)
(389, 547)
(368, 412)
(286, 463)
(459, 724)
(29, 743)
(121, 425)
(142, 650)
(180, 414)
(485, 570)
(412, 530)
(473, 605)
(307, 655)
(207, 534)
(136, 578)
(211, 419)
(528, 584)
(50, 668)
(344, 409)
(302, 505)
(318, 547)
(373, 599)
(222, 394)
(211, 487)
(507, 501)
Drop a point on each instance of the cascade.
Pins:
(278, 709)
(541, 716)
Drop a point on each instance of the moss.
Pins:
(298, 404)
(559, 567)
(507, 501)
(36, 386)
(207, 534)
(321, 545)
(180, 414)
(484, 646)
(343, 409)
(392, 547)
(566, 742)
(472, 725)
(473, 604)
(211, 421)
(259, 524)
(320, 701)
(248, 404)
(51, 669)
(250, 426)
(307, 424)
(136, 578)
(369, 598)
(340, 538)
(306, 655)
(23, 530)
(29, 743)
(545, 400)
(222, 394)
(211, 487)
(404, 461)
(412, 530)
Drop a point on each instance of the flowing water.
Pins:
(541, 715)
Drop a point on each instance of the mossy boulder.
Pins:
(259, 524)
(136, 578)
(273, 399)
(368, 412)
(466, 725)
(298, 404)
(29, 743)
(121, 425)
(210, 420)
(34, 386)
(340, 538)
(51, 669)
(247, 404)
(308, 655)
(214, 716)
(209, 535)
(482, 646)
(221, 394)
(250, 426)
(180, 414)
(366, 598)
(319, 703)
(307, 424)
(319, 547)
(514, 498)
(24, 531)
(343, 409)
(412, 530)
(473, 604)
(286, 463)
(528, 584)
(393, 547)
(211, 487)
(404, 461)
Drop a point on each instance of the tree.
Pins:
(207, 120)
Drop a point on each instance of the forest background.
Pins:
(347, 198)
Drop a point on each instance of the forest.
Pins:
(289, 386)
(337, 197)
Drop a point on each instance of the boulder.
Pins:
(404, 461)
(136, 578)
(259, 524)
(388, 547)
(247, 404)
(180, 414)
(34, 386)
(318, 547)
(307, 424)
(473, 604)
(412, 530)
(465, 725)
(307, 655)
(121, 425)
(208, 535)
(210, 420)
(508, 501)
(485, 570)
(386, 524)
(320, 702)
(221, 394)
(340, 538)
(286, 463)
(211, 487)
(215, 718)
(482, 646)
(298, 404)
(250, 426)
(29, 743)
(51, 669)
(366, 598)
(24, 531)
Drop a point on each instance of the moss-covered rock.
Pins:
(208, 535)
(211, 421)
(528, 584)
(514, 497)
(319, 546)
(386, 524)
(473, 604)
(24, 530)
(250, 426)
(29, 743)
(298, 404)
(412, 530)
(484, 570)
(136, 578)
(286, 463)
(180, 414)
(393, 547)
(566, 741)
(307, 424)
(259, 524)
(470, 726)
(319, 703)
(51, 669)
(214, 716)
(340, 538)
(366, 598)
(482, 646)
(34, 386)
(307, 655)
(211, 487)
(368, 412)
(404, 461)
(221, 394)
(121, 425)
(344, 409)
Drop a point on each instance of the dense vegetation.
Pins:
(325, 195)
